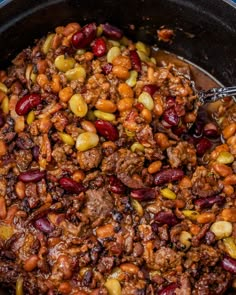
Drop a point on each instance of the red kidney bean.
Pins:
(107, 68)
(168, 290)
(191, 139)
(44, 225)
(99, 47)
(203, 145)
(107, 130)
(115, 185)
(85, 36)
(179, 130)
(135, 60)
(2, 120)
(27, 103)
(229, 264)
(196, 129)
(35, 152)
(143, 194)
(165, 217)
(170, 102)
(210, 237)
(71, 185)
(211, 130)
(32, 175)
(155, 226)
(168, 175)
(171, 117)
(112, 31)
(150, 88)
(208, 202)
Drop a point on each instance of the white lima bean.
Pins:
(86, 141)
(221, 229)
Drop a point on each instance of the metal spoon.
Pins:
(214, 94)
(211, 95)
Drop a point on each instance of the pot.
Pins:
(205, 31)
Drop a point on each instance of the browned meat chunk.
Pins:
(125, 163)
(183, 154)
(99, 204)
(165, 259)
(23, 159)
(90, 159)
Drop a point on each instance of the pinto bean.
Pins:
(3, 210)
(31, 263)
(64, 263)
(105, 231)
(20, 189)
(120, 72)
(222, 169)
(3, 148)
(206, 217)
(229, 214)
(65, 288)
(129, 268)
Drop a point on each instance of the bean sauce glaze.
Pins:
(105, 189)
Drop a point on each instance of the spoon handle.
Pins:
(215, 94)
